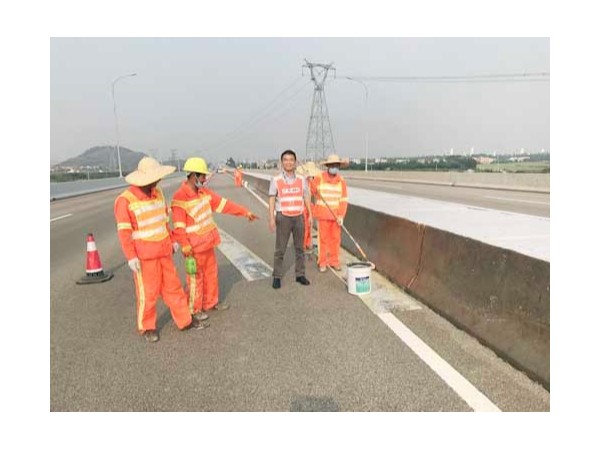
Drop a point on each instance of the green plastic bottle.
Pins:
(190, 265)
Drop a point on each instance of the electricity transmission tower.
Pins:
(319, 139)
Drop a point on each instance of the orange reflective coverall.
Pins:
(333, 190)
(237, 175)
(151, 243)
(196, 232)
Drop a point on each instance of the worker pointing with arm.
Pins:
(195, 230)
(142, 226)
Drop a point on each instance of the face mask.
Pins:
(333, 170)
(199, 184)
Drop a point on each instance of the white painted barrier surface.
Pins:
(529, 235)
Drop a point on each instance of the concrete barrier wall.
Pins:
(499, 296)
(259, 184)
(392, 243)
(535, 182)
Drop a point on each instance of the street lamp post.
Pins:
(116, 121)
(366, 118)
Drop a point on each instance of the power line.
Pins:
(234, 137)
(255, 117)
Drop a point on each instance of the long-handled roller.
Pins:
(360, 250)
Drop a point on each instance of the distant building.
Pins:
(484, 159)
(519, 158)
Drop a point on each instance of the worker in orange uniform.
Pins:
(309, 171)
(194, 229)
(237, 175)
(331, 202)
(142, 226)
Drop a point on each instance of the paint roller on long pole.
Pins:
(360, 250)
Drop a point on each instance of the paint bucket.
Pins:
(359, 278)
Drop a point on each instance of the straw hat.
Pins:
(308, 170)
(149, 170)
(335, 159)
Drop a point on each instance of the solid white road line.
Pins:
(460, 385)
(250, 266)
(515, 200)
(61, 217)
(265, 204)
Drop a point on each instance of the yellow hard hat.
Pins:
(196, 165)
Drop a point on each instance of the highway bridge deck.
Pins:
(313, 348)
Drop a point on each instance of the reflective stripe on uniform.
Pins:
(290, 195)
(151, 220)
(124, 226)
(141, 299)
(151, 232)
(200, 212)
(221, 205)
(192, 294)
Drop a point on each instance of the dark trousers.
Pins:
(285, 226)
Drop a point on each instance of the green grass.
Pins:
(516, 167)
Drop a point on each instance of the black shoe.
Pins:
(276, 283)
(196, 324)
(200, 315)
(150, 335)
(221, 306)
(302, 280)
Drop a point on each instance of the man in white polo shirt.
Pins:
(288, 196)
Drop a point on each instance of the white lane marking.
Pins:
(250, 266)
(61, 217)
(458, 383)
(516, 200)
(381, 184)
(265, 204)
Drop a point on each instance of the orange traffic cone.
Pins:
(93, 266)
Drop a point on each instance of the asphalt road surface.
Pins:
(302, 348)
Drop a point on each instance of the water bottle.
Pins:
(190, 265)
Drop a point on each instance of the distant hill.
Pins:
(104, 158)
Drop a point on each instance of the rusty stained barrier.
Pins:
(498, 296)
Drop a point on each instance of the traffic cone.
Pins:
(93, 266)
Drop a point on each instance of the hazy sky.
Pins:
(247, 98)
